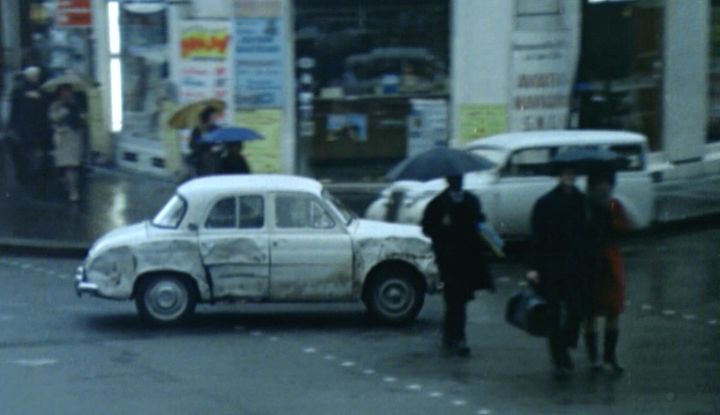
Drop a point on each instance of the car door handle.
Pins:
(278, 242)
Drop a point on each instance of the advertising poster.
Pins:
(259, 54)
(343, 127)
(262, 155)
(481, 120)
(205, 62)
(541, 81)
(427, 125)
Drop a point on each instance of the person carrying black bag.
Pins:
(451, 220)
(562, 260)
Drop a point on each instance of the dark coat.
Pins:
(201, 157)
(564, 246)
(28, 114)
(458, 247)
(233, 164)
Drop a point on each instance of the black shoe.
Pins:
(456, 348)
(462, 349)
(613, 366)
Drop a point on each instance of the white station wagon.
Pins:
(260, 238)
(509, 191)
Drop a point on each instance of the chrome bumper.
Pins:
(82, 286)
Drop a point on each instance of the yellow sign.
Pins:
(481, 120)
(262, 155)
(199, 43)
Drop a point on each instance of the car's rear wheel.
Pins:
(165, 299)
(394, 295)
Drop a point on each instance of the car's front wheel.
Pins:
(394, 295)
(165, 299)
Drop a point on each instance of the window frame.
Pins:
(313, 199)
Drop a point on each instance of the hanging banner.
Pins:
(542, 75)
(259, 54)
(73, 14)
(204, 62)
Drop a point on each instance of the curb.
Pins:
(46, 247)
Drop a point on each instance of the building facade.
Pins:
(344, 89)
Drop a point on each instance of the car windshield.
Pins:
(346, 214)
(171, 214)
(496, 155)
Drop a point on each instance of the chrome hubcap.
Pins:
(396, 296)
(166, 300)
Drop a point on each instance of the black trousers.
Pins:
(455, 318)
(565, 330)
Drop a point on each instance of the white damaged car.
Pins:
(522, 175)
(259, 238)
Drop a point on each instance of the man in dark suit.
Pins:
(451, 220)
(562, 260)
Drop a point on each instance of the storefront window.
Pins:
(364, 68)
(619, 83)
(143, 28)
(714, 80)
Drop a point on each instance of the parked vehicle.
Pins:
(267, 238)
(521, 175)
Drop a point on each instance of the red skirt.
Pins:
(610, 290)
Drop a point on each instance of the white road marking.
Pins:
(713, 322)
(459, 402)
(369, 371)
(389, 379)
(329, 357)
(435, 394)
(689, 316)
(35, 362)
(347, 363)
(309, 350)
(669, 312)
(414, 387)
(646, 307)
(484, 411)
(274, 339)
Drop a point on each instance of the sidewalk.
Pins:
(113, 198)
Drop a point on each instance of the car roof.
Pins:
(208, 186)
(513, 141)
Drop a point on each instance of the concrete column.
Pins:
(685, 84)
(11, 38)
(288, 138)
(480, 55)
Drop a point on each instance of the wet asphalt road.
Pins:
(64, 355)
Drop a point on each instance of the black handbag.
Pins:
(529, 312)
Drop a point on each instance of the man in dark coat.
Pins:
(562, 257)
(29, 126)
(451, 220)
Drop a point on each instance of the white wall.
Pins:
(685, 85)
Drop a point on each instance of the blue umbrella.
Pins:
(231, 135)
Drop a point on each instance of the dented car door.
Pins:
(311, 252)
(234, 246)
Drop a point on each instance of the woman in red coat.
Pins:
(608, 285)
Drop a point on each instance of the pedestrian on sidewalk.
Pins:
(28, 127)
(562, 254)
(451, 220)
(67, 123)
(608, 284)
(204, 157)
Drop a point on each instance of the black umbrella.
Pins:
(584, 159)
(438, 162)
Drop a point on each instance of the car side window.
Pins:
(633, 154)
(223, 215)
(301, 212)
(529, 162)
(252, 212)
